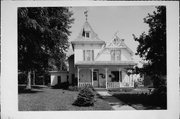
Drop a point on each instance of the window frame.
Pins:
(90, 55)
(115, 54)
(87, 34)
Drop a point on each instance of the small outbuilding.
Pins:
(58, 77)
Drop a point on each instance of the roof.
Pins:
(116, 43)
(69, 52)
(93, 35)
(112, 63)
(88, 42)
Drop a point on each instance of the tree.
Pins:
(42, 35)
(152, 46)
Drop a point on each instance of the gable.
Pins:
(87, 36)
(118, 45)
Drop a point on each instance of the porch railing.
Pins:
(113, 85)
(82, 84)
(126, 84)
(109, 84)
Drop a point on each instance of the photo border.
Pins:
(9, 90)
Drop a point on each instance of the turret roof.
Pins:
(87, 28)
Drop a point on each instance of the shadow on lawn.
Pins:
(35, 89)
(143, 101)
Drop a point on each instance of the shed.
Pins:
(58, 77)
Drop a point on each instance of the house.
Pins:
(100, 64)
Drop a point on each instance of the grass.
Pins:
(141, 99)
(47, 99)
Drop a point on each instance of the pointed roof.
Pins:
(87, 28)
(118, 43)
(115, 44)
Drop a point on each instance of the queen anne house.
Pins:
(100, 64)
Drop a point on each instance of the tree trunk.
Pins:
(34, 78)
(28, 80)
(43, 80)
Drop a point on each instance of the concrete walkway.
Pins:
(115, 103)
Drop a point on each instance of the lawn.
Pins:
(140, 99)
(48, 99)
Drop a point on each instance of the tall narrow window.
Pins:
(115, 55)
(112, 55)
(95, 75)
(118, 55)
(88, 55)
(87, 34)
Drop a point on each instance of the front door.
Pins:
(96, 79)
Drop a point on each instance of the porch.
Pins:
(104, 77)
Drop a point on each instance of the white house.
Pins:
(100, 64)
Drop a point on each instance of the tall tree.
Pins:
(42, 34)
(152, 46)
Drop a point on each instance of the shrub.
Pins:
(74, 81)
(86, 97)
(73, 88)
(63, 85)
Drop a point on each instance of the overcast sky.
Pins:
(106, 21)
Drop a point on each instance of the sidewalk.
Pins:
(115, 103)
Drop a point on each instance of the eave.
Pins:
(105, 63)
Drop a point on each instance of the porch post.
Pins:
(119, 77)
(106, 69)
(92, 70)
(78, 76)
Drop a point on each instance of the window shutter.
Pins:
(112, 55)
(92, 55)
(120, 76)
(83, 55)
(119, 54)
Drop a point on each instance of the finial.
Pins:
(116, 32)
(86, 14)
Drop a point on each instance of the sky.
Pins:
(107, 20)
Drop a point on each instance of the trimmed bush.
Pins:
(73, 88)
(63, 85)
(86, 97)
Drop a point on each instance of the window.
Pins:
(86, 34)
(88, 55)
(115, 77)
(115, 55)
(95, 75)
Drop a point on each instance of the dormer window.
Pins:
(86, 34)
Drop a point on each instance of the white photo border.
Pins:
(9, 90)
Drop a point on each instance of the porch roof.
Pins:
(106, 63)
